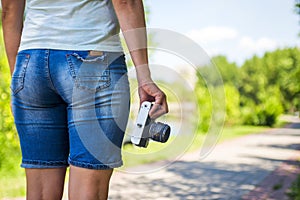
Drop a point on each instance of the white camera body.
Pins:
(145, 128)
(138, 138)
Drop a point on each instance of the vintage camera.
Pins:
(145, 128)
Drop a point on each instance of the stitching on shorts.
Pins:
(45, 163)
(95, 166)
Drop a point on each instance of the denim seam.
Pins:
(47, 54)
(22, 75)
(94, 165)
(44, 163)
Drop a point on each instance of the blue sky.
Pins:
(235, 28)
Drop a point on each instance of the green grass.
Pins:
(294, 191)
(237, 131)
(12, 185)
(176, 146)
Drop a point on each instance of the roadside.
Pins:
(276, 185)
(231, 171)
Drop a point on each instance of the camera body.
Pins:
(146, 129)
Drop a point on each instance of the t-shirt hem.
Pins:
(75, 48)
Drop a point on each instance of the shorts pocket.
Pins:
(18, 76)
(89, 72)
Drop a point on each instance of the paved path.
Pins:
(237, 169)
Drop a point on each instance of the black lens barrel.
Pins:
(159, 132)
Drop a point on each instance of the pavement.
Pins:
(256, 166)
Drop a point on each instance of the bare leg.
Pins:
(88, 184)
(44, 184)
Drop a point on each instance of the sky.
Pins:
(237, 29)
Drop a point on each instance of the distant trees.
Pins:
(297, 7)
(258, 91)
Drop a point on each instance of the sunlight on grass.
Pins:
(12, 185)
(176, 146)
(237, 131)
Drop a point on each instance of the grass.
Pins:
(176, 146)
(277, 186)
(12, 185)
(237, 131)
(294, 191)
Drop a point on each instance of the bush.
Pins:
(233, 111)
(264, 113)
(205, 104)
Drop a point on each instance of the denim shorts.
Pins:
(70, 107)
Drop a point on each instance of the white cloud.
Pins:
(257, 46)
(229, 42)
(212, 34)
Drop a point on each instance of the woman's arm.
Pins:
(131, 17)
(12, 23)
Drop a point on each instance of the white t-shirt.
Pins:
(71, 25)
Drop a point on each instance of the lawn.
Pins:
(176, 146)
(12, 185)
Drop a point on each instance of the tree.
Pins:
(297, 7)
(270, 85)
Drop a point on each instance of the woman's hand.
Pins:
(150, 92)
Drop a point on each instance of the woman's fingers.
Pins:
(153, 93)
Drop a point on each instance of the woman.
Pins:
(68, 72)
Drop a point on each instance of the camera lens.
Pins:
(159, 132)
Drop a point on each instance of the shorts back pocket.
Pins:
(89, 72)
(18, 76)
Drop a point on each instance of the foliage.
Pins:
(205, 102)
(227, 70)
(258, 91)
(270, 85)
(233, 112)
(297, 7)
(294, 192)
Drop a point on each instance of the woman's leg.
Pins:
(41, 121)
(43, 184)
(88, 184)
(97, 117)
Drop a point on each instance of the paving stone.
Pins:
(233, 169)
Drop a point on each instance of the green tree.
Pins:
(297, 7)
(229, 71)
(270, 86)
(233, 111)
(209, 83)
(206, 108)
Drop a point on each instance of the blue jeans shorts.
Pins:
(70, 107)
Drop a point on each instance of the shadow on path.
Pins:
(192, 180)
(219, 178)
